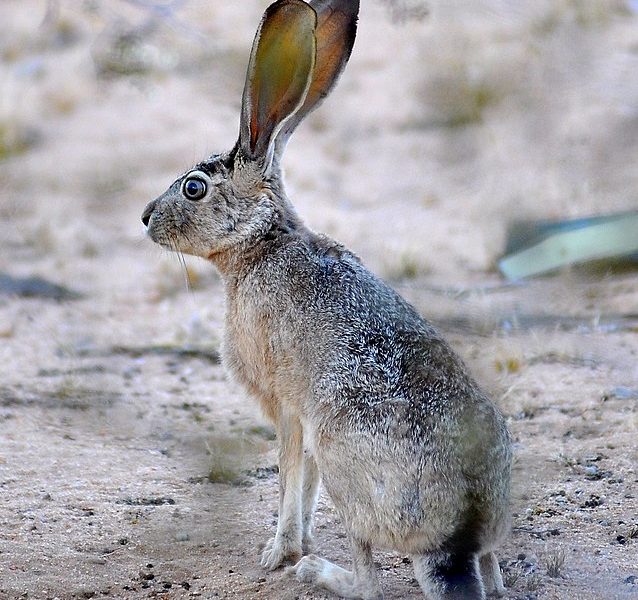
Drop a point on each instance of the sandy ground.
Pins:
(130, 468)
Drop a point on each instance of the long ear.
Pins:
(336, 31)
(279, 75)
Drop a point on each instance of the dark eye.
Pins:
(194, 189)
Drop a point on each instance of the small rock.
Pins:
(592, 472)
(130, 373)
(35, 287)
(632, 580)
(154, 501)
(592, 502)
(605, 522)
(594, 457)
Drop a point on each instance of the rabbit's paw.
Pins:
(308, 570)
(277, 551)
(319, 572)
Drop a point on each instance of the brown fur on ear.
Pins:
(279, 74)
(336, 32)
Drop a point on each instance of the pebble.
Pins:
(592, 472)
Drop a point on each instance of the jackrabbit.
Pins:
(363, 392)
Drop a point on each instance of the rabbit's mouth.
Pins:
(163, 233)
(167, 241)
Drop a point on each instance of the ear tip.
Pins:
(291, 4)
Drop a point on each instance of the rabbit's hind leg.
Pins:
(444, 576)
(491, 574)
(361, 583)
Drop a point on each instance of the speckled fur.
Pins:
(361, 390)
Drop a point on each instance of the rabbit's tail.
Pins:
(444, 576)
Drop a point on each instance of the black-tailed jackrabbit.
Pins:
(363, 392)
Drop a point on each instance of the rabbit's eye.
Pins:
(194, 189)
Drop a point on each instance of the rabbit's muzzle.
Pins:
(154, 219)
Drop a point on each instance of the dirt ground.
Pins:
(130, 466)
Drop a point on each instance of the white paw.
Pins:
(276, 552)
(308, 569)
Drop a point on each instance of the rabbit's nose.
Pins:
(148, 211)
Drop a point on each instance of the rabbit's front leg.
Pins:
(311, 480)
(286, 545)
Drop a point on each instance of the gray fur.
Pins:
(363, 392)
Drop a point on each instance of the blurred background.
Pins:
(452, 120)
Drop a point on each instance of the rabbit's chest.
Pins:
(248, 351)
(263, 356)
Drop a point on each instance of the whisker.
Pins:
(187, 277)
(182, 262)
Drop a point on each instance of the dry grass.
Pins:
(533, 582)
(231, 455)
(458, 98)
(586, 14)
(554, 562)
(407, 265)
(16, 138)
